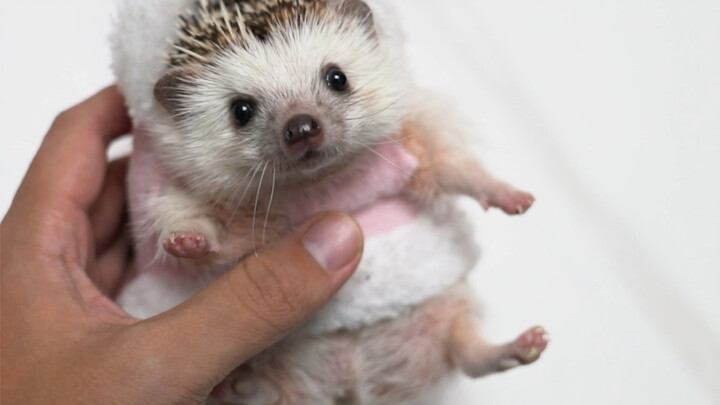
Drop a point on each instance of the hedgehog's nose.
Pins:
(303, 132)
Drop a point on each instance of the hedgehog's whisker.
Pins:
(238, 178)
(231, 200)
(385, 158)
(257, 200)
(272, 196)
(393, 140)
(254, 170)
(240, 202)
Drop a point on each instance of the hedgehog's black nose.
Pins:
(303, 129)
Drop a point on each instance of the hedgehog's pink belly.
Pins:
(385, 363)
(386, 215)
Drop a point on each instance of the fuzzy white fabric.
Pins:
(142, 33)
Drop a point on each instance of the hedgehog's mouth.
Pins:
(311, 163)
(312, 160)
(311, 157)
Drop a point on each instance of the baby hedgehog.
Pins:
(252, 116)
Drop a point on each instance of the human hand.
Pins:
(62, 253)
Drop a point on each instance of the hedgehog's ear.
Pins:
(169, 88)
(360, 10)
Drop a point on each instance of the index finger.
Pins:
(72, 158)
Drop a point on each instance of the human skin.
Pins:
(63, 253)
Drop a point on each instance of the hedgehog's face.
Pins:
(302, 101)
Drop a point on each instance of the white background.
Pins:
(609, 111)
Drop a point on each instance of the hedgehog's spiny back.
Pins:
(214, 25)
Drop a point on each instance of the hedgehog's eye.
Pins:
(242, 111)
(336, 79)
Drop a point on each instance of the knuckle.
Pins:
(65, 117)
(75, 119)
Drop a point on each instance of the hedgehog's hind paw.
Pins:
(477, 358)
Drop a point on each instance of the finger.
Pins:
(108, 212)
(259, 301)
(71, 161)
(110, 267)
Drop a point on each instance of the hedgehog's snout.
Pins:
(303, 134)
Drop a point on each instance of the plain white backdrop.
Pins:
(609, 111)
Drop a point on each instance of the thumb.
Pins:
(259, 301)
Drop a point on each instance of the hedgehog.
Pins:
(252, 116)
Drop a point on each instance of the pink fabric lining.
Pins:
(386, 215)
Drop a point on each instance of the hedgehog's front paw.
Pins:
(187, 245)
(511, 200)
(197, 239)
